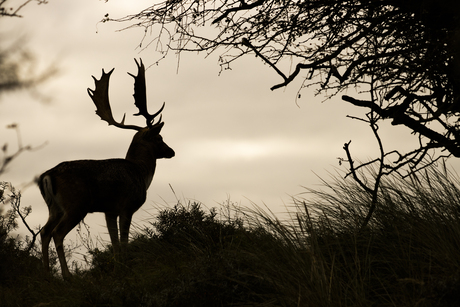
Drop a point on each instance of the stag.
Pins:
(117, 187)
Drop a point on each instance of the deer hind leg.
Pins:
(46, 234)
(111, 220)
(65, 225)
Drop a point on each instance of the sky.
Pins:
(234, 138)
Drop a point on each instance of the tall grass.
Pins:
(408, 255)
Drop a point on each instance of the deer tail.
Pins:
(47, 188)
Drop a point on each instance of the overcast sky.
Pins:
(233, 137)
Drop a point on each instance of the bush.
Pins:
(191, 258)
(18, 265)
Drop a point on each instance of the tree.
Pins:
(13, 11)
(403, 53)
(17, 72)
(18, 68)
(403, 56)
(16, 63)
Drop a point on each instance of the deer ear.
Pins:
(156, 129)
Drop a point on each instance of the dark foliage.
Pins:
(192, 259)
(408, 255)
(19, 268)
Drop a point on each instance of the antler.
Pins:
(100, 97)
(140, 95)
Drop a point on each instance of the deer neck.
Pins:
(144, 160)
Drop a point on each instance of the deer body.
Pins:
(117, 187)
(98, 185)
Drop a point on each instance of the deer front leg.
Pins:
(125, 223)
(111, 220)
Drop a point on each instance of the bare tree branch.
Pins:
(9, 11)
(405, 54)
(6, 159)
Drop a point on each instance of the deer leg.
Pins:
(111, 220)
(66, 224)
(125, 223)
(46, 234)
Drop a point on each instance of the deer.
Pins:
(116, 187)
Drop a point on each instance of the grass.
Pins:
(409, 255)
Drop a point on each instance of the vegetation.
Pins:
(13, 10)
(404, 57)
(409, 254)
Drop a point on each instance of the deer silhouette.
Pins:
(117, 187)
